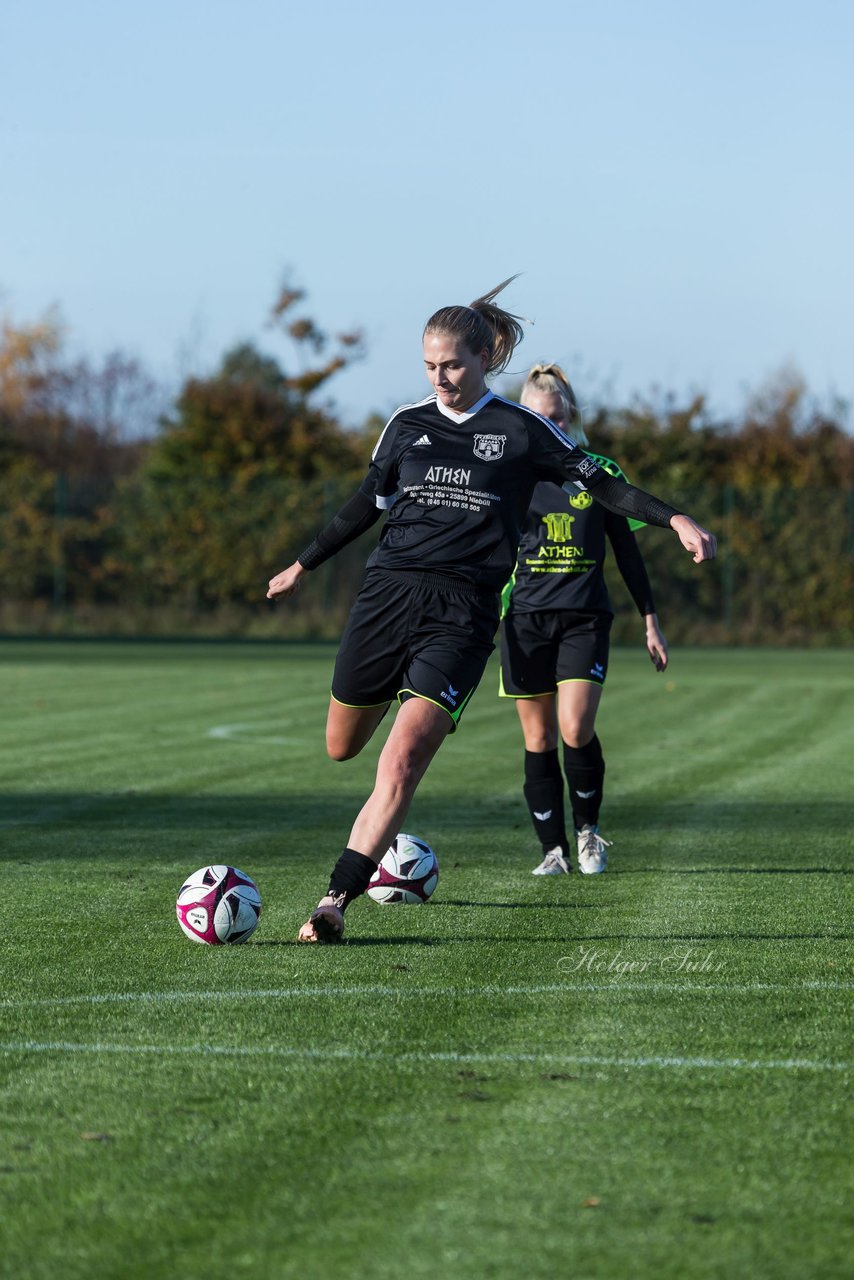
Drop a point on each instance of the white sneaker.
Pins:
(592, 857)
(553, 864)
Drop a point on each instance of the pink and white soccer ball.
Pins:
(407, 873)
(218, 904)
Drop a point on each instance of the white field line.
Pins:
(622, 986)
(331, 1054)
(247, 733)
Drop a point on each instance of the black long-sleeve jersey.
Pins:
(561, 558)
(457, 487)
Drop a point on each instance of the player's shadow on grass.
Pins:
(716, 937)
(405, 940)
(524, 906)
(662, 869)
(408, 940)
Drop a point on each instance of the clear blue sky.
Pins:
(674, 179)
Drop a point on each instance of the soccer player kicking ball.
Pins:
(455, 472)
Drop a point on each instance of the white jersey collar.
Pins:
(469, 413)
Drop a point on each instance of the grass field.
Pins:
(641, 1074)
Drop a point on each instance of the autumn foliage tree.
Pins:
(175, 519)
(776, 487)
(310, 341)
(63, 447)
(239, 474)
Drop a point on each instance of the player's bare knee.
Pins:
(338, 749)
(577, 733)
(540, 740)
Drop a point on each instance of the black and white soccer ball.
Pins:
(407, 873)
(218, 904)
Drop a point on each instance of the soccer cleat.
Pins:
(326, 922)
(592, 857)
(555, 863)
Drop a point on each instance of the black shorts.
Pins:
(415, 635)
(539, 651)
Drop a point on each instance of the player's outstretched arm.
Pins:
(627, 500)
(285, 583)
(702, 544)
(355, 517)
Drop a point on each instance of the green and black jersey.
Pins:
(561, 556)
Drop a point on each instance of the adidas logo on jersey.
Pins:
(425, 439)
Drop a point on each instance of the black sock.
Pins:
(351, 875)
(585, 773)
(543, 791)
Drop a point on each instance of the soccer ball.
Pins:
(218, 904)
(408, 872)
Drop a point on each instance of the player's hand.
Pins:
(656, 645)
(286, 582)
(702, 544)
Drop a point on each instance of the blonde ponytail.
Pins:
(550, 379)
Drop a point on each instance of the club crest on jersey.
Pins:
(581, 501)
(488, 448)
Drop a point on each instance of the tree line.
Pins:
(119, 514)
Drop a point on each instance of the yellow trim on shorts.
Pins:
(502, 692)
(455, 715)
(527, 697)
(547, 693)
(360, 706)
